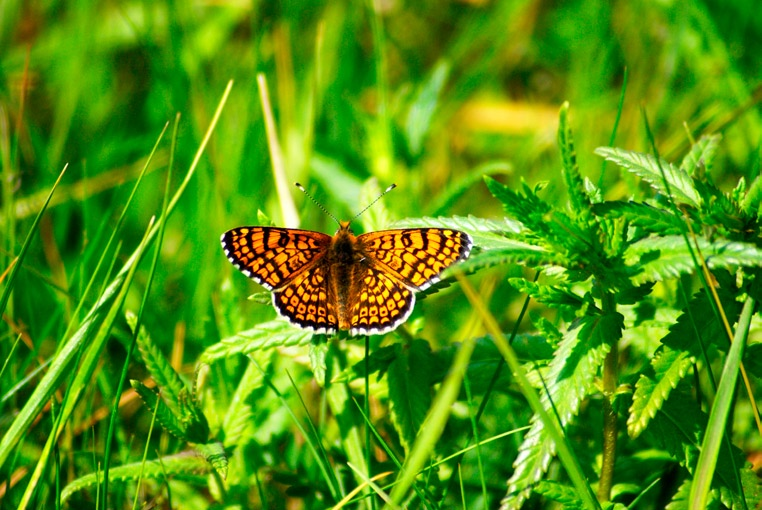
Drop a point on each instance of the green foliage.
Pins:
(587, 265)
(410, 379)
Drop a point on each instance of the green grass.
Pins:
(583, 359)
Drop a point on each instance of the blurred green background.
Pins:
(423, 94)
(430, 95)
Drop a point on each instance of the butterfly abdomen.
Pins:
(346, 262)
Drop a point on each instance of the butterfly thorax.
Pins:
(347, 261)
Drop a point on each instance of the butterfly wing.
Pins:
(380, 302)
(416, 256)
(308, 301)
(273, 256)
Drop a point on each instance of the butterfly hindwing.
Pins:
(380, 303)
(308, 301)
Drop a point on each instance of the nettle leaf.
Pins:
(652, 219)
(679, 427)
(552, 229)
(215, 455)
(654, 386)
(378, 362)
(679, 351)
(186, 465)
(168, 420)
(575, 185)
(563, 494)
(663, 258)
(721, 210)
(753, 199)
(648, 168)
(487, 234)
(701, 155)
(193, 419)
(520, 254)
(570, 378)
(552, 295)
(318, 354)
(160, 369)
(275, 333)
(409, 379)
(239, 414)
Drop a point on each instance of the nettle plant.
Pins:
(615, 271)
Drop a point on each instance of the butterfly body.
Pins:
(362, 284)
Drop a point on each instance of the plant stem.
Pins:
(610, 367)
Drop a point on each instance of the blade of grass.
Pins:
(131, 349)
(288, 209)
(25, 247)
(718, 417)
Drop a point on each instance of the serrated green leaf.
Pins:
(486, 234)
(378, 362)
(239, 413)
(186, 463)
(275, 333)
(551, 295)
(161, 370)
(409, 379)
(653, 220)
(680, 349)
(562, 494)
(575, 185)
(701, 155)
(168, 420)
(193, 419)
(753, 199)
(653, 388)
(646, 167)
(570, 378)
(318, 352)
(520, 254)
(662, 258)
(215, 455)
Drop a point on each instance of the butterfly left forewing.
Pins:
(272, 256)
(417, 256)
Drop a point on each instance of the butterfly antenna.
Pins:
(387, 190)
(322, 208)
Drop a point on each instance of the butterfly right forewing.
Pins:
(417, 256)
(273, 256)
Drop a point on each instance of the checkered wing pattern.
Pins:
(381, 302)
(416, 256)
(309, 301)
(273, 256)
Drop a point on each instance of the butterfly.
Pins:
(362, 284)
